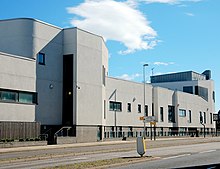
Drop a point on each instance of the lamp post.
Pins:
(144, 97)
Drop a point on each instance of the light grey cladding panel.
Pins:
(17, 37)
(17, 73)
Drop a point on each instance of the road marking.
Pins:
(208, 151)
(182, 155)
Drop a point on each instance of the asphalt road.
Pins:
(190, 156)
(165, 150)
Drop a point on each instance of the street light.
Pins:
(144, 97)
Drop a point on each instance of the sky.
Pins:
(169, 35)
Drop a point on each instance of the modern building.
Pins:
(58, 79)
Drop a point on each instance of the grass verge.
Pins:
(99, 164)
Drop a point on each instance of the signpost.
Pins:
(216, 118)
(152, 121)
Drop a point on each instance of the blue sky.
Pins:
(170, 35)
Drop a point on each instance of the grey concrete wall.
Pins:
(127, 92)
(17, 73)
(20, 41)
(48, 39)
(89, 79)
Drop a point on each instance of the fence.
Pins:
(19, 130)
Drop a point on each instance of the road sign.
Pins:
(153, 123)
(142, 118)
(215, 117)
(148, 119)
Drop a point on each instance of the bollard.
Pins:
(141, 146)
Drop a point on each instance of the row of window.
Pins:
(202, 117)
(117, 106)
(18, 96)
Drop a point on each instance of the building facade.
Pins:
(59, 79)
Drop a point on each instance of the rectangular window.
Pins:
(161, 114)
(200, 117)
(204, 113)
(103, 75)
(139, 108)
(190, 117)
(26, 97)
(152, 109)
(210, 118)
(18, 96)
(41, 58)
(213, 96)
(104, 109)
(188, 89)
(182, 113)
(10, 96)
(115, 106)
(171, 114)
(129, 107)
(146, 110)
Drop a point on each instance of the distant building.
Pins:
(58, 79)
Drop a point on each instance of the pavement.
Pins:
(156, 143)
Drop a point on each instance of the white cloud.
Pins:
(190, 14)
(129, 77)
(172, 2)
(161, 1)
(118, 21)
(163, 63)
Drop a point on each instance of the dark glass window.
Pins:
(171, 114)
(139, 108)
(146, 110)
(152, 109)
(41, 58)
(188, 89)
(190, 116)
(9, 96)
(129, 107)
(204, 113)
(161, 114)
(213, 95)
(210, 118)
(202, 92)
(115, 106)
(18, 96)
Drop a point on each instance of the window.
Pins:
(171, 114)
(129, 107)
(182, 113)
(115, 106)
(18, 96)
(202, 92)
(103, 75)
(146, 110)
(200, 117)
(161, 114)
(139, 108)
(213, 96)
(210, 118)
(190, 117)
(9, 96)
(104, 109)
(188, 89)
(41, 58)
(152, 109)
(204, 117)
